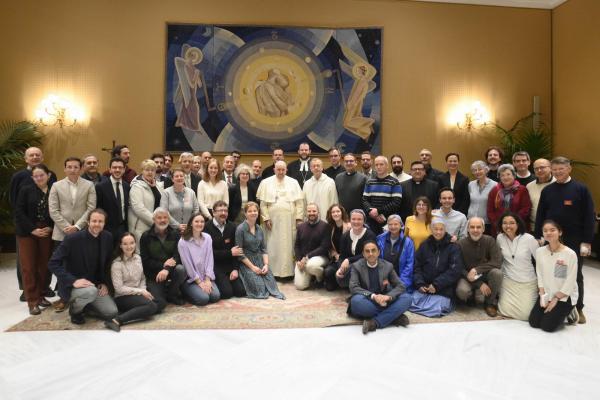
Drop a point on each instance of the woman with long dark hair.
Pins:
(196, 253)
(418, 225)
(132, 298)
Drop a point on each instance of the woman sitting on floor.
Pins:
(338, 220)
(557, 282)
(438, 267)
(254, 269)
(196, 253)
(519, 285)
(132, 298)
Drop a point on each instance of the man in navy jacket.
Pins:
(81, 264)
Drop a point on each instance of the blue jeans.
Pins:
(198, 296)
(363, 307)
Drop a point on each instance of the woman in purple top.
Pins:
(195, 250)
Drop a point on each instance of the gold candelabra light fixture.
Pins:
(55, 110)
(473, 117)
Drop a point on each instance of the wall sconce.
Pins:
(470, 116)
(55, 110)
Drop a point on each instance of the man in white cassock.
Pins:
(320, 189)
(281, 209)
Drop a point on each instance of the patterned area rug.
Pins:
(301, 309)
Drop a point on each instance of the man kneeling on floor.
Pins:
(482, 276)
(378, 295)
(313, 240)
(80, 263)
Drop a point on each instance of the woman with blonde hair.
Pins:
(144, 197)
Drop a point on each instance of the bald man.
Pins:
(543, 177)
(382, 196)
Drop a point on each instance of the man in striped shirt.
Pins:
(382, 196)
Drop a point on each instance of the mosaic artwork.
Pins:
(254, 88)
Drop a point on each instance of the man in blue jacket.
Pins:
(438, 267)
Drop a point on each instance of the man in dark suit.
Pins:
(225, 252)
(112, 195)
(159, 159)
(229, 170)
(416, 187)
(81, 263)
(300, 168)
(185, 161)
(378, 295)
(277, 156)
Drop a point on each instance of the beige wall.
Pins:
(576, 84)
(109, 56)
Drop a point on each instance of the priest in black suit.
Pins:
(416, 187)
(225, 252)
(112, 195)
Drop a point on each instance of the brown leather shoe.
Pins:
(582, 319)
(491, 311)
(35, 310)
(59, 306)
(369, 325)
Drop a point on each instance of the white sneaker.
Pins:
(573, 317)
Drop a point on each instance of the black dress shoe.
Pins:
(49, 292)
(44, 303)
(35, 310)
(78, 319)
(402, 320)
(22, 296)
(113, 325)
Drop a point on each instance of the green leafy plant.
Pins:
(533, 136)
(15, 138)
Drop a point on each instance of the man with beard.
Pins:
(160, 258)
(300, 168)
(366, 162)
(122, 151)
(397, 168)
(313, 240)
(160, 159)
(112, 195)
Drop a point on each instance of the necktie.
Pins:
(229, 180)
(118, 192)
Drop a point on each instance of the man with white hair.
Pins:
(438, 267)
(482, 276)
(190, 180)
(281, 209)
(382, 196)
(543, 177)
(160, 259)
(313, 240)
(320, 189)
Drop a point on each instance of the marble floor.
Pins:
(476, 360)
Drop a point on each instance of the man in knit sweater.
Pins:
(382, 196)
(349, 184)
(482, 276)
(570, 204)
(311, 249)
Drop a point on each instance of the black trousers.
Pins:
(329, 276)
(134, 307)
(227, 287)
(549, 321)
(167, 290)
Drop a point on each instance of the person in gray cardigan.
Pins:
(482, 275)
(378, 295)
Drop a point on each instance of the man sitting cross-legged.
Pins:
(377, 293)
(313, 240)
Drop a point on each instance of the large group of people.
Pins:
(123, 245)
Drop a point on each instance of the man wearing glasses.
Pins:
(418, 186)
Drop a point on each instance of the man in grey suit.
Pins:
(70, 201)
(378, 295)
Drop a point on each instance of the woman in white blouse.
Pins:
(132, 298)
(557, 282)
(180, 201)
(519, 286)
(212, 188)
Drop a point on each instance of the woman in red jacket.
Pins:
(508, 195)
